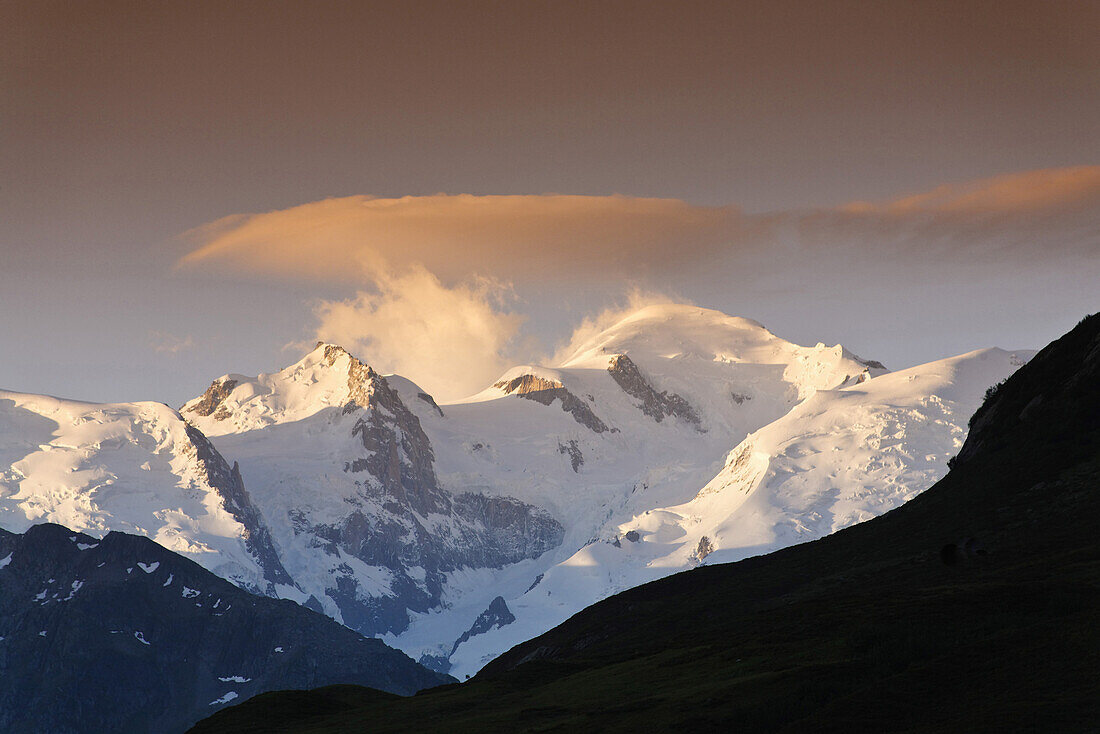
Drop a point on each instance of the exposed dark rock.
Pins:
(872, 364)
(400, 455)
(740, 397)
(534, 583)
(632, 536)
(497, 615)
(430, 401)
(121, 634)
(237, 502)
(657, 405)
(576, 458)
(211, 400)
(546, 392)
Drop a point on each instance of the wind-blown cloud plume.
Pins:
(452, 341)
(592, 326)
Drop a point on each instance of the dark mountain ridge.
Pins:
(122, 635)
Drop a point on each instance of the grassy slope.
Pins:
(866, 629)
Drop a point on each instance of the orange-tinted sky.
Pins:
(125, 125)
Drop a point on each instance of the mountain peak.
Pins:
(328, 376)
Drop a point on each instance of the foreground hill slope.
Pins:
(122, 635)
(972, 607)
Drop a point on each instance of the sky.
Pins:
(194, 188)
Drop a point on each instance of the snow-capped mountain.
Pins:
(676, 436)
(362, 521)
(136, 468)
(374, 492)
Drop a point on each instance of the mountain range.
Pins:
(674, 438)
(971, 607)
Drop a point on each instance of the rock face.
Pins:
(237, 502)
(120, 634)
(657, 405)
(348, 476)
(212, 399)
(704, 549)
(573, 451)
(497, 615)
(546, 392)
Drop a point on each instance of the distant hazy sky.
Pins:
(911, 179)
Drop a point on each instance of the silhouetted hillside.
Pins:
(120, 634)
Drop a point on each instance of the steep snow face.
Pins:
(133, 467)
(346, 473)
(837, 458)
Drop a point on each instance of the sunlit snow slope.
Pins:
(131, 467)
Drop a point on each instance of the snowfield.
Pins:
(127, 466)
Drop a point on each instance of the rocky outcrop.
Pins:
(399, 456)
(121, 634)
(210, 404)
(546, 392)
(480, 532)
(237, 502)
(703, 549)
(430, 401)
(657, 405)
(497, 615)
(576, 458)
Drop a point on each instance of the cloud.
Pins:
(592, 326)
(1006, 220)
(434, 275)
(451, 341)
(515, 238)
(165, 343)
(1027, 192)
(548, 238)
